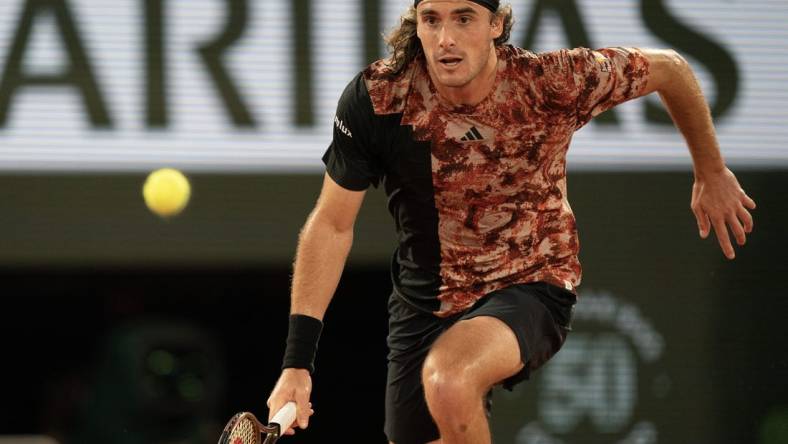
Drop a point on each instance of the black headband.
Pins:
(492, 5)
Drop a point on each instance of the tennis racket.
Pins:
(244, 428)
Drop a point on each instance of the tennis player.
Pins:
(468, 136)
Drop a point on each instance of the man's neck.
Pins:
(474, 91)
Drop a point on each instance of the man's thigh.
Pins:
(537, 315)
(411, 334)
(481, 352)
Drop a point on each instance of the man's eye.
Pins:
(465, 19)
(430, 20)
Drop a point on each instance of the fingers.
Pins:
(744, 216)
(721, 231)
(291, 430)
(303, 407)
(746, 219)
(747, 201)
(737, 229)
(721, 203)
(273, 406)
(739, 225)
(703, 222)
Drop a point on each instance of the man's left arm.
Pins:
(717, 198)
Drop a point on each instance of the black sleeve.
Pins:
(351, 159)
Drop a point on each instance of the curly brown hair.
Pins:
(404, 45)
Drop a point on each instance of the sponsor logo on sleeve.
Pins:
(604, 63)
(341, 127)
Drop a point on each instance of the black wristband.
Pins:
(302, 335)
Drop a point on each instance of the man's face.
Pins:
(457, 37)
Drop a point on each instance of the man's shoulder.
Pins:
(517, 55)
(388, 89)
(544, 59)
(381, 70)
(510, 51)
(550, 66)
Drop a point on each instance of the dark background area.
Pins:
(58, 339)
(120, 327)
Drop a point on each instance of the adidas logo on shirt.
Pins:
(472, 135)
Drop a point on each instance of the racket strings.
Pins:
(245, 431)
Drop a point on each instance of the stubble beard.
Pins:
(453, 80)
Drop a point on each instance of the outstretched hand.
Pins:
(719, 201)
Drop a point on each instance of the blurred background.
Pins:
(118, 326)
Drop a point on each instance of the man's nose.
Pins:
(445, 37)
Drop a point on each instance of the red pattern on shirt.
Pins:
(504, 217)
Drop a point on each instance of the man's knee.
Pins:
(450, 390)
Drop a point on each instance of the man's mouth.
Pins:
(450, 61)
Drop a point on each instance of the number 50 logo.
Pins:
(594, 378)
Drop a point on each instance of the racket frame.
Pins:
(272, 431)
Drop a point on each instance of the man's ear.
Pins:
(496, 23)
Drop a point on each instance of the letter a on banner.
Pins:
(78, 74)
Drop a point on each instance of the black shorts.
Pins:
(539, 314)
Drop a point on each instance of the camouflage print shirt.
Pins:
(478, 193)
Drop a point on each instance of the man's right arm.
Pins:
(323, 247)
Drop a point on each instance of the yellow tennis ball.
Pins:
(166, 192)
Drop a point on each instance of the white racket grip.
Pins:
(285, 416)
